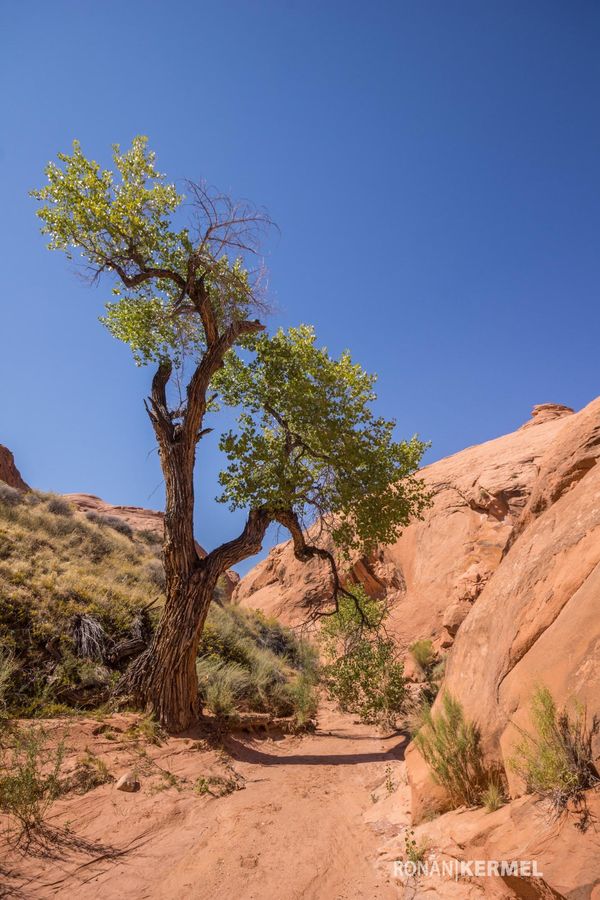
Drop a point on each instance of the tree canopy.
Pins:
(307, 441)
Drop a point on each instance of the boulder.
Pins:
(128, 782)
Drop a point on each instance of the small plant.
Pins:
(30, 778)
(450, 745)
(390, 784)
(424, 655)
(91, 772)
(556, 761)
(414, 852)
(147, 729)
(217, 785)
(8, 667)
(493, 795)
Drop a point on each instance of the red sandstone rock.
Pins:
(536, 620)
(436, 570)
(9, 472)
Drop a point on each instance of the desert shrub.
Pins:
(222, 686)
(10, 496)
(90, 773)
(362, 670)
(58, 506)
(438, 670)
(8, 668)
(556, 760)
(114, 522)
(150, 537)
(424, 655)
(155, 572)
(30, 777)
(303, 698)
(451, 746)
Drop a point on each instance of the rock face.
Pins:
(437, 569)
(537, 620)
(9, 472)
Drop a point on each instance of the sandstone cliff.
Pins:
(436, 570)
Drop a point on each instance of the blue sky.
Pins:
(433, 168)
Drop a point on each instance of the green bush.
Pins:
(556, 761)
(30, 782)
(368, 680)
(303, 698)
(362, 671)
(450, 744)
(424, 655)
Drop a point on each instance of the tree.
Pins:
(307, 442)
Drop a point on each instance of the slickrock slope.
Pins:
(9, 472)
(439, 566)
(538, 618)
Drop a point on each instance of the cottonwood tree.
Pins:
(307, 443)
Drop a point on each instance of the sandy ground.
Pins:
(306, 821)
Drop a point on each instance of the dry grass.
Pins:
(56, 566)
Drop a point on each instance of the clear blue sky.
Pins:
(434, 168)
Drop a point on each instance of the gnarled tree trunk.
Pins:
(163, 678)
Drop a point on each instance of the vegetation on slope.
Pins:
(79, 597)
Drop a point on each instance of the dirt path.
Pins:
(298, 829)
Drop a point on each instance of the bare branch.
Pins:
(305, 552)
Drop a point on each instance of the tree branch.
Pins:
(157, 408)
(244, 545)
(209, 364)
(305, 552)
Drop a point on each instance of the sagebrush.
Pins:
(556, 759)
(451, 746)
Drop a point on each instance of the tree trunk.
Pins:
(163, 678)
